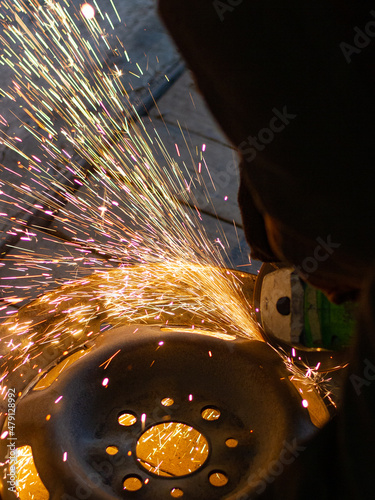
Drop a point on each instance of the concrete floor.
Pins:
(180, 119)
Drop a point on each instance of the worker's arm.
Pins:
(291, 84)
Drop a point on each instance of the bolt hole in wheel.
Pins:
(172, 449)
(231, 443)
(218, 479)
(210, 413)
(167, 402)
(127, 419)
(111, 450)
(132, 483)
(177, 493)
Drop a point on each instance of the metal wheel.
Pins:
(156, 413)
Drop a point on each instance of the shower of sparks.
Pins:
(133, 205)
(129, 208)
(166, 294)
(105, 187)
